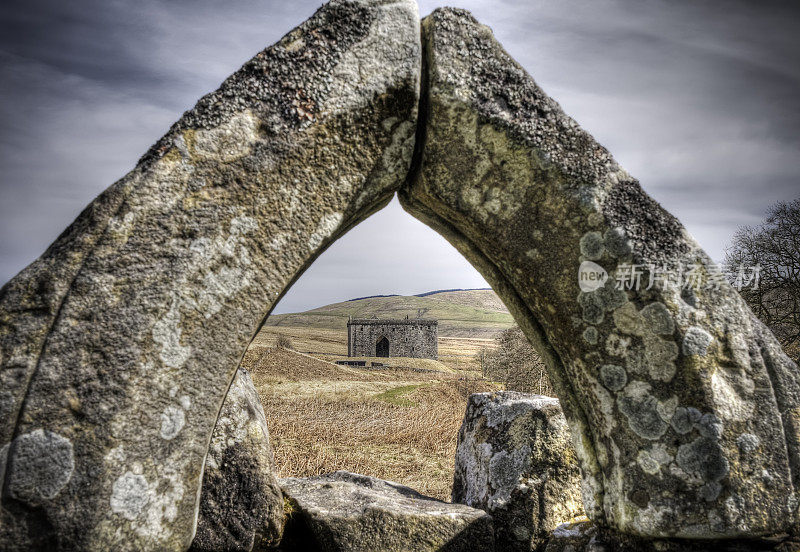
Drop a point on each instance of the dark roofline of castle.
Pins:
(393, 321)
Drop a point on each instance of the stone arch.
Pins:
(382, 347)
(118, 345)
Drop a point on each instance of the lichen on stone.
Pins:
(38, 465)
(704, 458)
(616, 243)
(172, 421)
(641, 410)
(658, 318)
(684, 419)
(129, 495)
(748, 443)
(659, 358)
(628, 320)
(592, 307)
(617, 345)
(591, 245)
(696, 341)
(613, 377)
(651, 460)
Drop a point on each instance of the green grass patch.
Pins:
(395, 395)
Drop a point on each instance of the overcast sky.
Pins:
(700, 100)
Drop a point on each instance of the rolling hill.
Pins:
(476, 313)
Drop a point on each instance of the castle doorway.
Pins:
(382, 348)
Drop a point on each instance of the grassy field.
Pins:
(397, 423)
(471, 313)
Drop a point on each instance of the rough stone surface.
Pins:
(582, 535)
(659, 385)
(241, 504)
(346, 512)
(118, 345)
(515, 460)
(578, 536)
(414, 338)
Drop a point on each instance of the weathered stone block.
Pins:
(683, 408)
(576, 536)
(118, 345)
(241, 504)
(515, 461)
(586, 536)
(346, 512)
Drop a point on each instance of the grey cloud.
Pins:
(389, 252)
(697, 99)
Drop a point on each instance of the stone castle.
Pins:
(374, 337)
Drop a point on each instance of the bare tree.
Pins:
(774, 247)
(515, 363)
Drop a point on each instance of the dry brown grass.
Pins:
(461, 353)
(393, 424)
(279, 365)
(310, 340)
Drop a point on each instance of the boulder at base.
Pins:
(344, 511)
(583, 535)
(241, 504)
(515, 460)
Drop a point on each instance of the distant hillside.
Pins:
(446, 290)
(461, 313)
(427, 293)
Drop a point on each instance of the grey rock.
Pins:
(346, 512)
(527, 196)
(241, 505)
(576, 536)
(123, 338)
(586, 536)
(515, 460)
